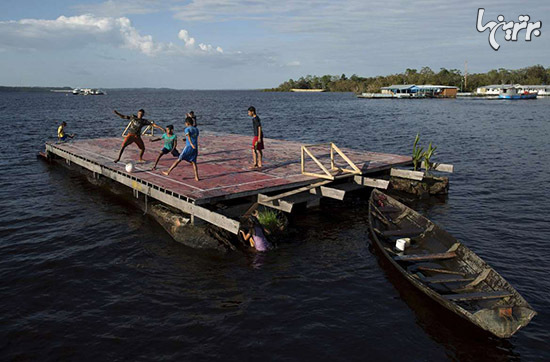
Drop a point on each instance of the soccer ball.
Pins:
(129, 167)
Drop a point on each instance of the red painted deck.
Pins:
(223, 163)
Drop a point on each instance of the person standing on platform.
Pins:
(134, 132)
(170, 144)
(191, 150)
(258, 140)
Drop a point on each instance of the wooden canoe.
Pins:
(446, 270)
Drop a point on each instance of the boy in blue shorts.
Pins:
(191, 150)
(170, 144)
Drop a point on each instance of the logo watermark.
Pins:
(511, 28)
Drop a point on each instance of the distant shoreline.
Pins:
(11, 89)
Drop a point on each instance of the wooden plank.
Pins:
(346, 158)
(442, 271)
(442, 167)
(318, 175)
(478, 296)
(337, 192)
(481, 277)
(275, 204)
(422, 257)
(388, 208)
(187, 207)
(403, 232)
(371, 182)
(295, 191)
(317, 161)
(446, 279)
(411, 175)
(288, 202)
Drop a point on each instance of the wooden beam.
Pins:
(412, 175)
(281, 205)
(403, 232)
(346, 158)
(497, 294)
(442, 167)
(287, 204)
(337, 192)
(422, 257)
(295, 191)
(174, 201)
(317, 161)
(447, 279)
(371, 182)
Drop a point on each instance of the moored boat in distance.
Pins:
(315, 90)
(88, 92)
(444, 269)
(513, 92)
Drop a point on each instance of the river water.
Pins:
(84, 276)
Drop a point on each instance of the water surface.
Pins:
(83, 275)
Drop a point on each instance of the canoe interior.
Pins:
(445, 269)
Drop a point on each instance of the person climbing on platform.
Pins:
(193, 117)
(255, 234)
(258, 140)
(134, 132)
(191, 150)
(170, 144)
(61, 135)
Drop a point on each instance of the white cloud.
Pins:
(77, 31)
(184, 35)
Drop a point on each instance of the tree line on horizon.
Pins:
(533, 75)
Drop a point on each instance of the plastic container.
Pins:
(402, 244)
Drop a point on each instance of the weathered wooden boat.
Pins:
(446, 270)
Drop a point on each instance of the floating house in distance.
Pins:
(496, 89)
(414, 91)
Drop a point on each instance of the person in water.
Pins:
(134, 132)
(191, 150)
(258, 140)
(255, 234)
(170, 144)
(61, 135)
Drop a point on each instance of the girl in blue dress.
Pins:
(191, 149)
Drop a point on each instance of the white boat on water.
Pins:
(516, 93)
(88, 92)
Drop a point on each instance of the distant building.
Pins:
(420, 91)
(493, 89)
(496, 89)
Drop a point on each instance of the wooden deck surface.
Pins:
(223, 164)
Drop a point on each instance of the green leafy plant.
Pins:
(428, 155)
(269, 220)
(418, 153)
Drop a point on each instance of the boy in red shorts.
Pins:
(134, 132)
(258, 140)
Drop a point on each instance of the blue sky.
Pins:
(243, 44)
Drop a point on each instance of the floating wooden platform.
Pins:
(223, 163)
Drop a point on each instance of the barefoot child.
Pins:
(170, 144)
(191, 149)
(258, 141)
(61, 135)
(134, 132)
